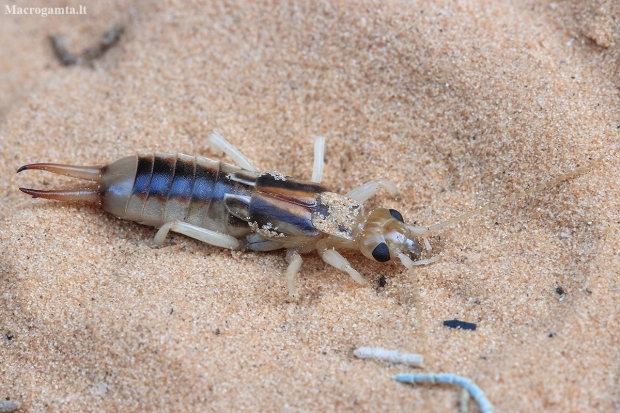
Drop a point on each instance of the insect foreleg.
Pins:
(362, 193)
(222, 145)
(294, 263)
(201, 234)
(333, 258)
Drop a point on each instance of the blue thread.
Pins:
(449, 378)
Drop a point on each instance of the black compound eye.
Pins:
(381, 252)
(396, 215)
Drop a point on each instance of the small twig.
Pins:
(448, 378)
(59, 44)
(109, 39)
(409, 359)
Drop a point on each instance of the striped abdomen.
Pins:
(157, 188)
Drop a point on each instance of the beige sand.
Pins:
(458, 102)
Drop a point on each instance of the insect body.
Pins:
(239, 208)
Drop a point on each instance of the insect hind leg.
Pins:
(222, 145)
(201, 234)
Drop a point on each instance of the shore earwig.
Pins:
(240, 208)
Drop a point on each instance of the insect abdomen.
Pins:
(157, 188)
(170, 187)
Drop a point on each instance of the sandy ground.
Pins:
(458, 102)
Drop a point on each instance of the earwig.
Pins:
(240, 208)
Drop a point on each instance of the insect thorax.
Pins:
(337, 215)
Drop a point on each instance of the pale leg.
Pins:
(333, 258)
(294, 263)
(362, 193)
(319, 158)
(201, 234)
(222, 145)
